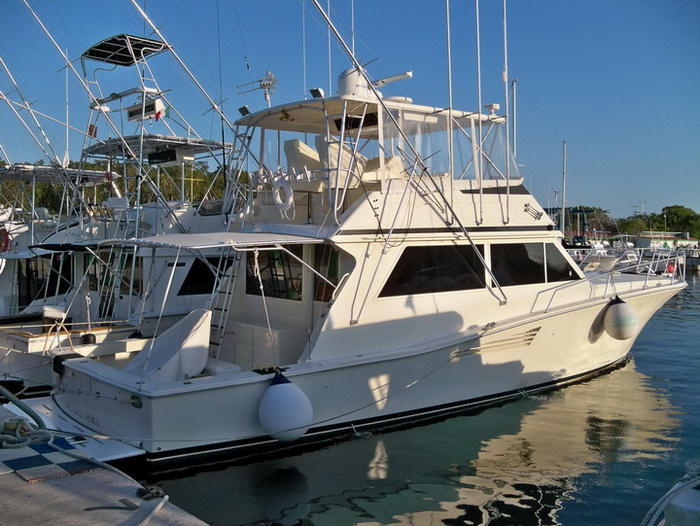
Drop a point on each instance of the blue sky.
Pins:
(618, 80)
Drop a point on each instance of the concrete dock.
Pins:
(40, 484)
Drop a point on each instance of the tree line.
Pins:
(671, 218)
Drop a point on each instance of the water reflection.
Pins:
(516, 464)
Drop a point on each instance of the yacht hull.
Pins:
(220, 413)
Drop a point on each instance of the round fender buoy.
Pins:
(283, 194)
(620, 320)
(285, 412)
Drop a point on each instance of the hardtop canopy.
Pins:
(307, 116)
(124, 50)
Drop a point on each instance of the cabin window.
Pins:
(325, 263)
(518, 263)
(445, 268)
(280, 273)
(201, 277)
(127, 267)
(93, 271)
(43, 276)
(558, 268)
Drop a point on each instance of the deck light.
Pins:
(317, 93)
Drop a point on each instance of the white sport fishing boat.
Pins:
(372, 280)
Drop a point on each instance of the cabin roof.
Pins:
(122, 49)
(235, 240)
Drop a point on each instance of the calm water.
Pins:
(600, 452)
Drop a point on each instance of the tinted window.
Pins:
(421, 270)
(280, 273)
(558, 268)
(326, 264)
(518, 263)
(201, 277)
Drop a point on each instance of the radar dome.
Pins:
(351, 83)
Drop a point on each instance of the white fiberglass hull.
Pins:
(221, 412)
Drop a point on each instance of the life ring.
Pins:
(4, 239)
(283, 195)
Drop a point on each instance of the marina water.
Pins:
(598, 452)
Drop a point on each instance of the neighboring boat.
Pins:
(368, 284)
(60, 294)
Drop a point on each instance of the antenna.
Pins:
(393, 78)
(268, 84)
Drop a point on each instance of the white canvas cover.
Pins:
(178, 353)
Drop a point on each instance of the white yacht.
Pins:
(379, 270)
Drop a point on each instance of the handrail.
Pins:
(609, 275)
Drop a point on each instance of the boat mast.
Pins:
(505, 88)
(562, 223)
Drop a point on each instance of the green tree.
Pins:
(679, 218)
(632, 225)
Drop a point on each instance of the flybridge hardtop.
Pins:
(156, 143)
(307, 115)
(124, 49)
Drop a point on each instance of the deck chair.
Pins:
(329, 159)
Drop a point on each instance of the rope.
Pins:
(17, 433)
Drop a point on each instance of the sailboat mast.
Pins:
(562, 224)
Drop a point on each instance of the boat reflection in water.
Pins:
(515, 464)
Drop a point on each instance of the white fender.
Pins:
(620, 320)
(282, 194)
(285, 412)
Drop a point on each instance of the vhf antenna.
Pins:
(268, 84)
